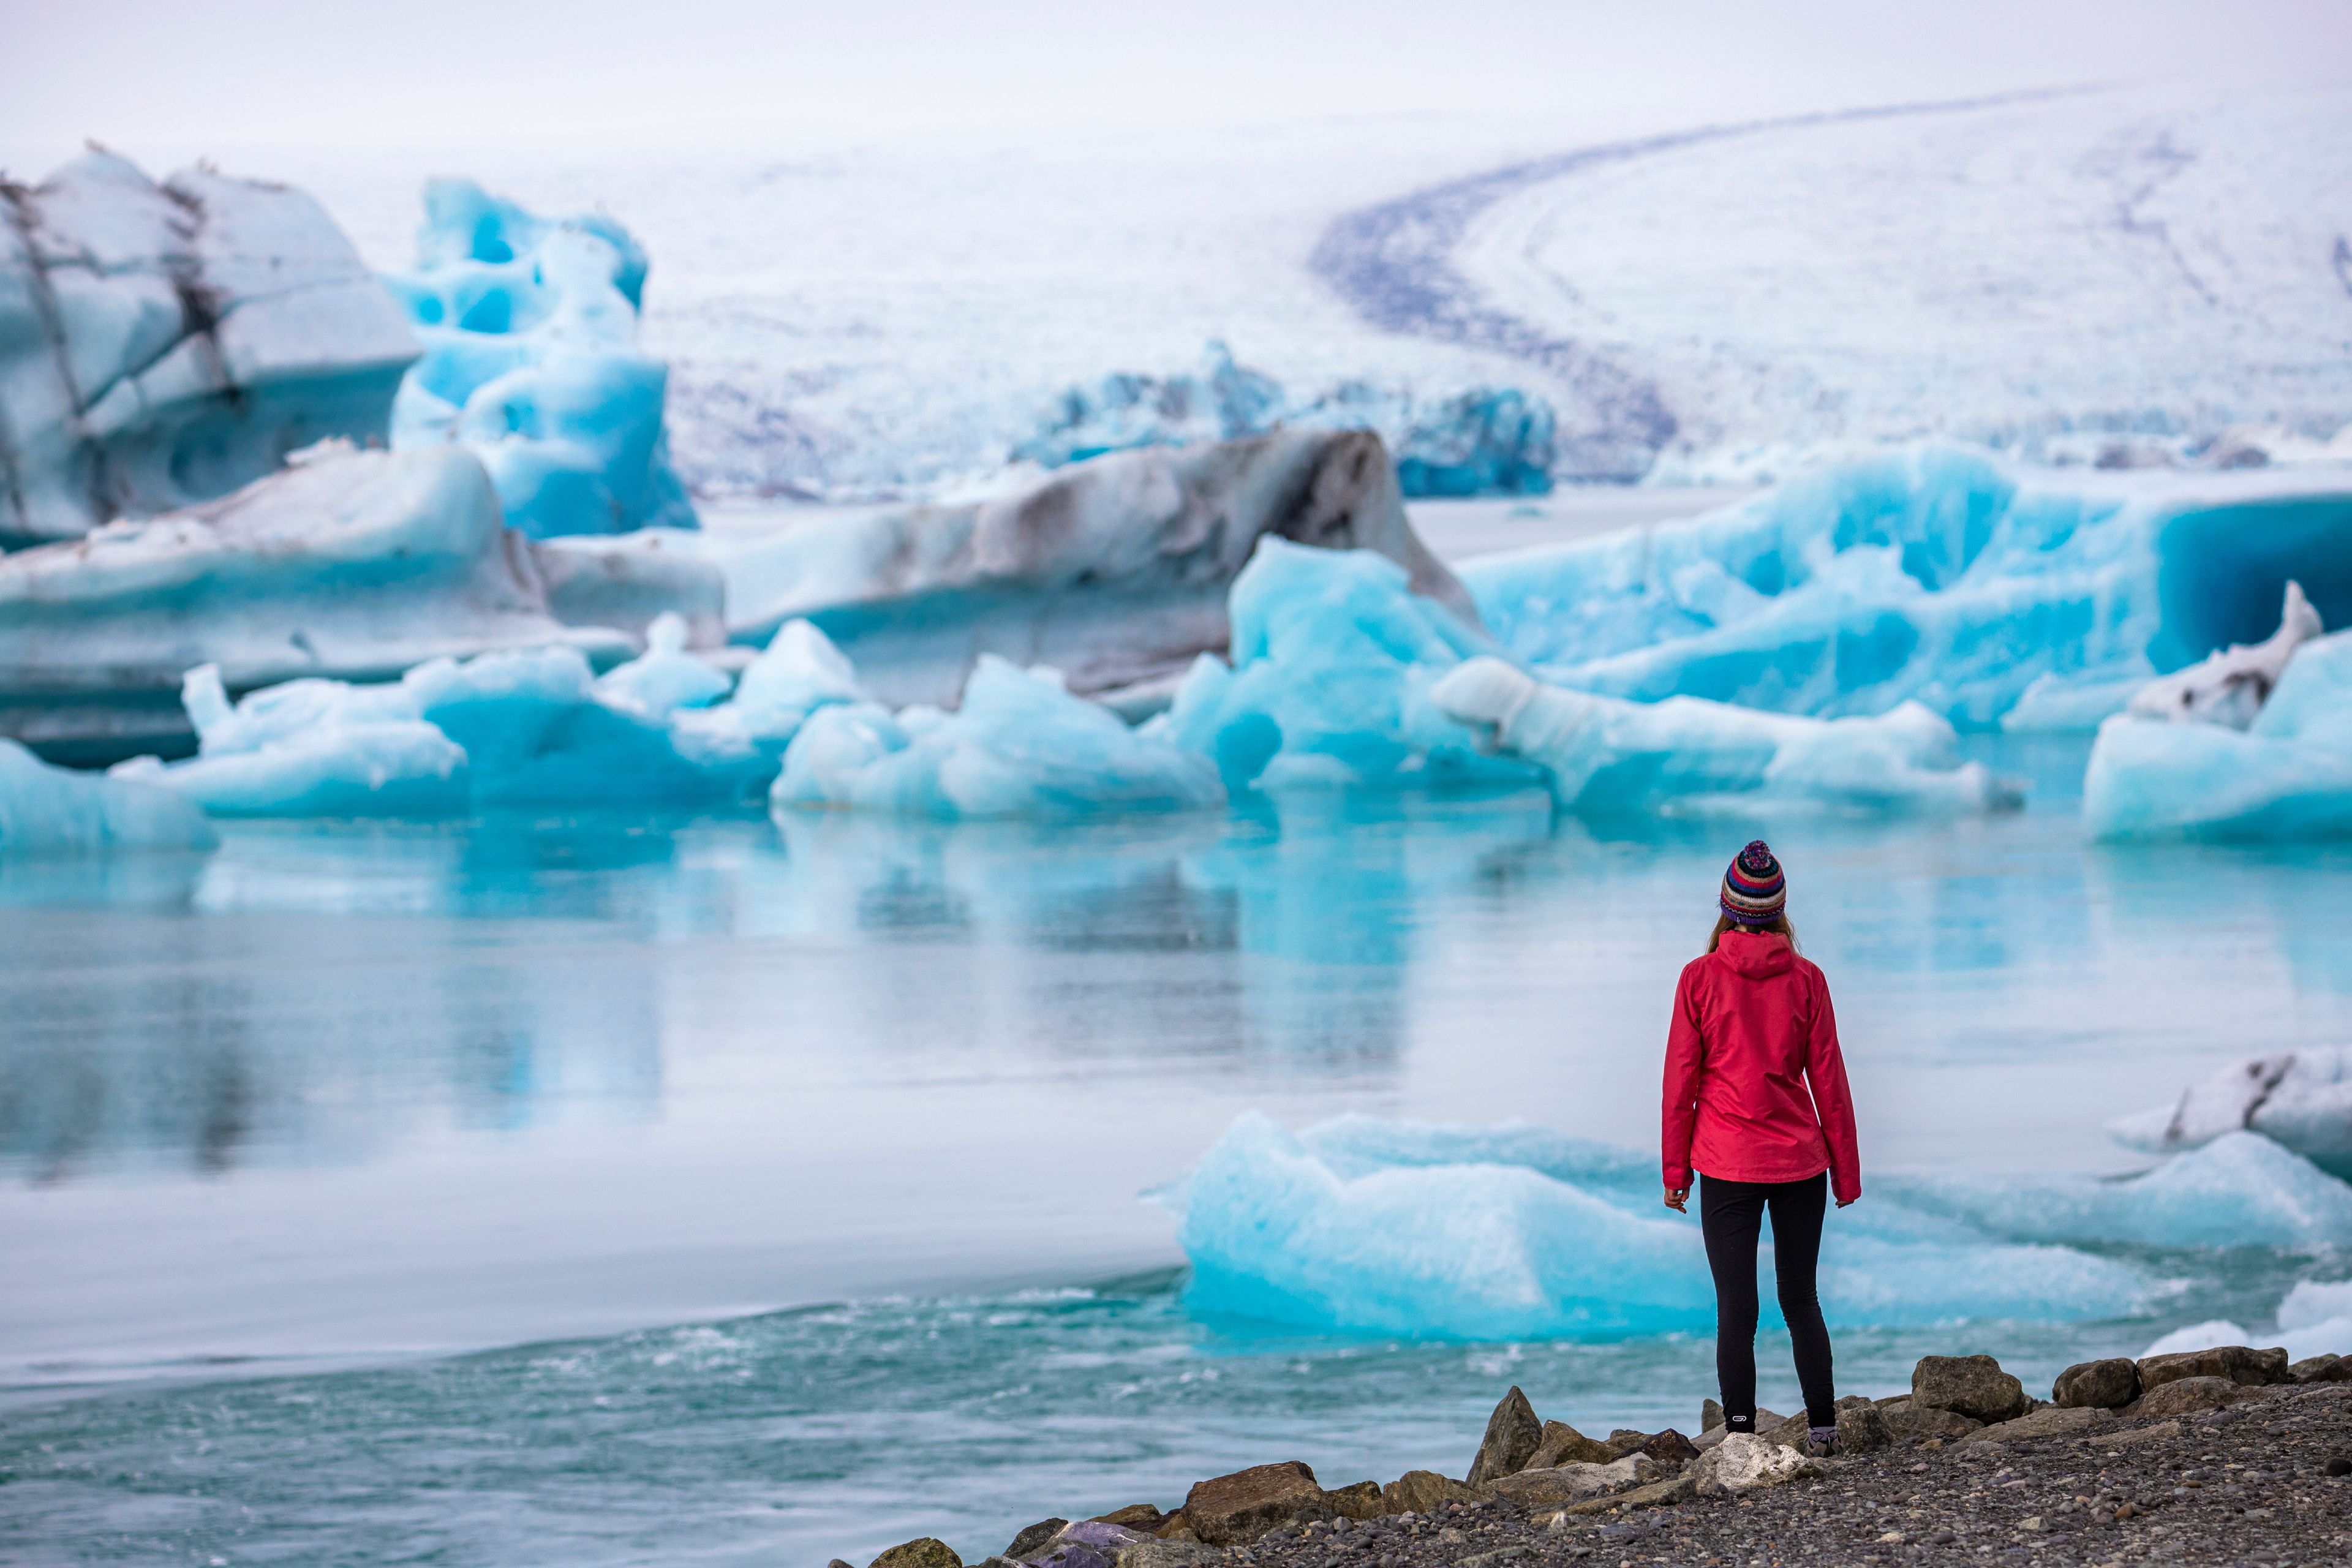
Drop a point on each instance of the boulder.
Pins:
(1566, 1484)
(1744, 1462)
(2185, 1395)
(1624, 1441)
(1513, 1436)
(1972, 1386)
(1863, 1427)
(1670, 1449)
(1139, 1516)
(2254, 1368)
(1360, 1499)
(1162, 1554)
(1422, 1491)
(2097, 1385)
(2322, 1369)
(1564, 1445)
(1653, 1494)
(1907, 1419)
(1710, 1414)
(1237, 1509)
(1089, 1543)
(1036, 1537)
(2050, 1421)
(924, 1551)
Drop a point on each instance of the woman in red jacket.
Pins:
(1752, 1034)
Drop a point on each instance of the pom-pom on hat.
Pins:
(1754, 892)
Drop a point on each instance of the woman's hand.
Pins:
(1848, 1203)
(1676, 1197)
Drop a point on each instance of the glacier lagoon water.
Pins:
(620, 1188)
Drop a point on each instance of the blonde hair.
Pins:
(1779, 925)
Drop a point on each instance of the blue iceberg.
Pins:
(1480, 441)
(1930, 574)
(529, 327)
(535, 726)
(1364, 1227)
(1019, 745)
(47, 810)
(1343, 678)
(2287, 775)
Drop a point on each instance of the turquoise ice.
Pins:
(530, 326)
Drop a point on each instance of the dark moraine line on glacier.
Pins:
(1392, 262)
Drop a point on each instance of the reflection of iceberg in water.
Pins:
(217, 1037)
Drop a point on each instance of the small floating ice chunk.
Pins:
(664, 677)
(2301, 1100)
(1020, 745)
(47, 810)
(2288, 775)
(1604, 754)
(1470, 1234)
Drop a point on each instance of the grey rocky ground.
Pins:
(2222, 1457)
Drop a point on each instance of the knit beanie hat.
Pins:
(1754, 892)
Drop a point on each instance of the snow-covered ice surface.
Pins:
(2061, 274)
(2288, 775)
(891, 315)
(47, 810)
(1996, 594)
(163, 345)
(530, 326)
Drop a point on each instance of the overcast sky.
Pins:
(168, 77)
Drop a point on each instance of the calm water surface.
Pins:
(603, 1189)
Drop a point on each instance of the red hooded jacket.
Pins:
(1752, 1029)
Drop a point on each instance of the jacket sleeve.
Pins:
(1833, 1100)
(1686, 1053)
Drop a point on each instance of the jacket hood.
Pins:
(1756, 954)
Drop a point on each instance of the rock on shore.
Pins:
(2215, 1457)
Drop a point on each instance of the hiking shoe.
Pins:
(1821, 1443)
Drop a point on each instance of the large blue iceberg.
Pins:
(530, 326)
(1480, 441)
(1931, 573)
(1341, 677)
(1393, 1229)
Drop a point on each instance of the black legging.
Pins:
(1730, 1215)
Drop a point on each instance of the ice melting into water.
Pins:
(2288, 773)
(46, 810)
(1367, 1227)
(530, 326)
(1930, 573)
(1481, 441)
(1019, 745)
